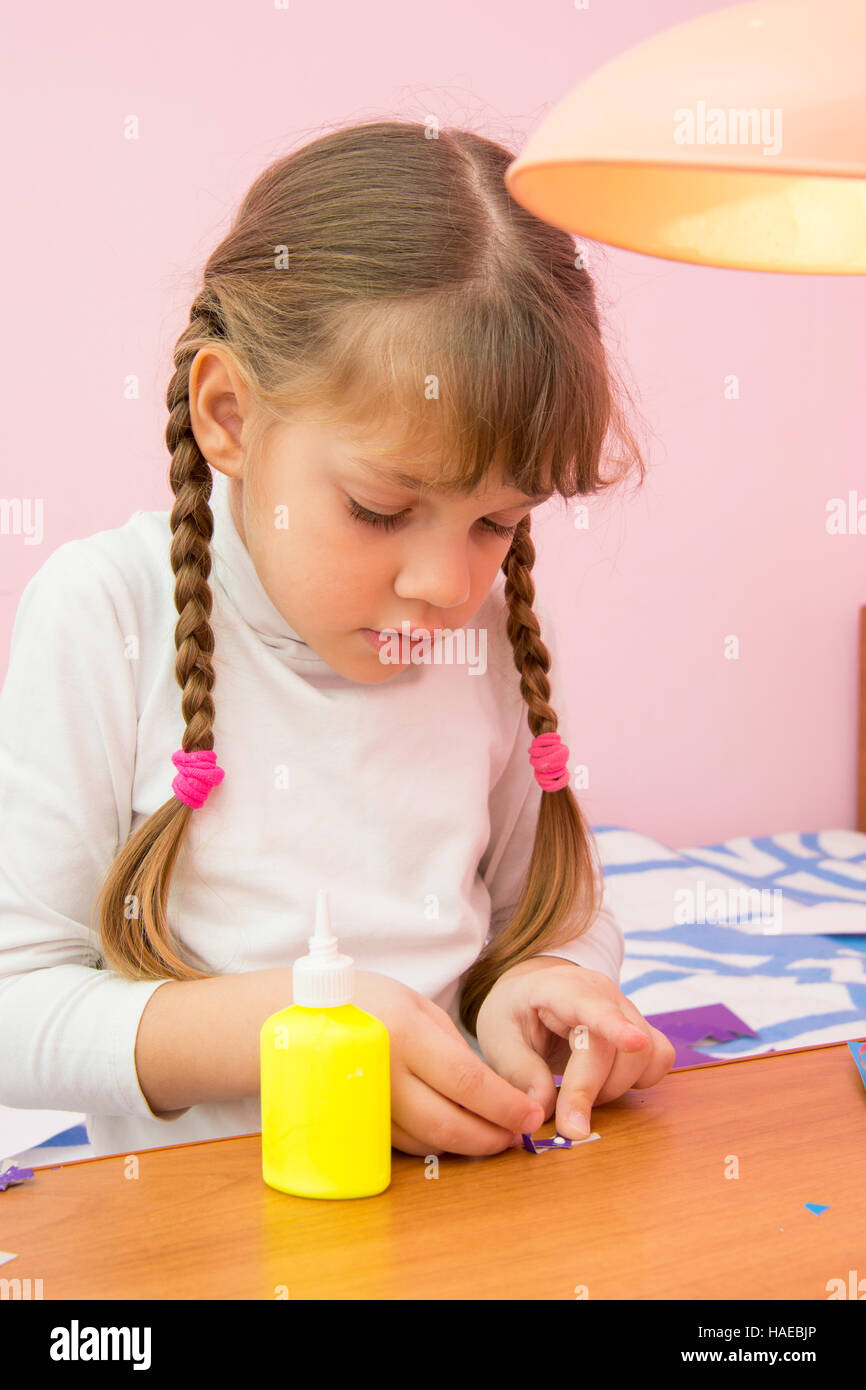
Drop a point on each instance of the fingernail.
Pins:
(578, 1121)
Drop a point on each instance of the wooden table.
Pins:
(646, 1212)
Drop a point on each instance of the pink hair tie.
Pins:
(549, 757)
(198, 774)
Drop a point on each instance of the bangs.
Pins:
(459, 384)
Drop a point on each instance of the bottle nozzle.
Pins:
(323, 978)
(322, 942)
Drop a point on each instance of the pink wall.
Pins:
(104, 238)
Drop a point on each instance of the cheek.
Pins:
(345, 570)
(489, 565)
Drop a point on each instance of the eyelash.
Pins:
(388, 523)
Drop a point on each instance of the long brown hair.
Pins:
(379, 269)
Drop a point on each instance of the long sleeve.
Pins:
(67, 754)
(514, 804)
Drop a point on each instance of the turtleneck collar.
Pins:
(233, 567)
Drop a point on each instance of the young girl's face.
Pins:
(331, 574)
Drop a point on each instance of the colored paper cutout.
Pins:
(714, 1023)
(559, 1141)
(707, 1023)
(6, 1256)
(815, 1207)
(13, 1175)
(858, 1052)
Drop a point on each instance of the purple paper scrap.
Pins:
(559, 1141)
(541, 1146)
(13, 1174)
(685, 1027)
(687, 1056)
(707, 1023)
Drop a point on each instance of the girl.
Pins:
(390, 363)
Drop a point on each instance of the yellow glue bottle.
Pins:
(325, 1082)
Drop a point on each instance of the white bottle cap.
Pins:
(324, 978)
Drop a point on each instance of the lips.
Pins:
(413, 631)
(376, 638)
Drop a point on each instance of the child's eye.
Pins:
(390, 522)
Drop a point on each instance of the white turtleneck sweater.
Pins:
(413, 802)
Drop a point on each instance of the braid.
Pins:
(192, 530)
(531, 656)
(131, 908)
(560, 894)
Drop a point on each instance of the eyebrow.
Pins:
(415, 484)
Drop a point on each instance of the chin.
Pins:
(370, 672)
(376, 674)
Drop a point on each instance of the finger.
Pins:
(610, 1074)
(444, 1126)
(627, 1071)
(543, 1091)
(586, 1073)
(448, 1066)
(659, 1063)
(408, 1144)
(566, 1000)
(659, 1058)
(512, 1050)
(631, 1070)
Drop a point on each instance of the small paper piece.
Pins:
(13, 1175)
(559, 1141)
(541, 1146)
(6, 1256)
(815, 1207)
(714, 1023)
(858, 1052)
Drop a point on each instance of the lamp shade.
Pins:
(737, 139)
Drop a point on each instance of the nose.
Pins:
(436, 572)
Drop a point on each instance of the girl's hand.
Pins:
(444, 1098)
(523, 1029)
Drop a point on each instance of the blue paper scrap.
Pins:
(858, 1052)
(815, 1207)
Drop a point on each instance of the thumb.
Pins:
(517, 1064)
